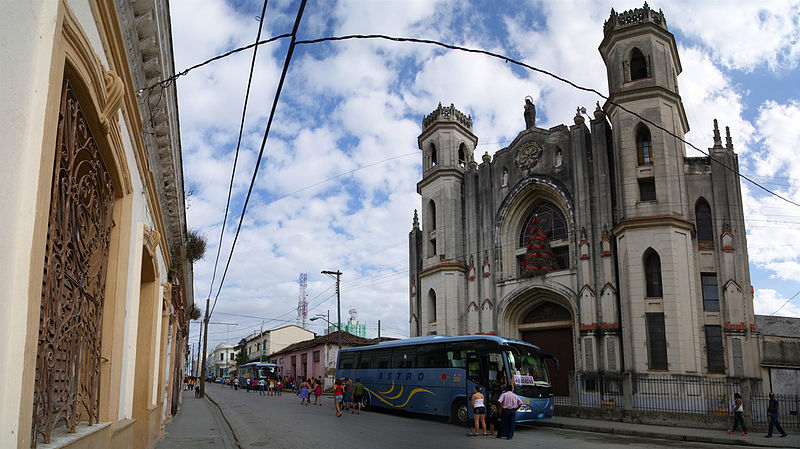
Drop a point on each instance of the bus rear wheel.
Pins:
(459, 414)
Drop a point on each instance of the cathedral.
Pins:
(601, 241)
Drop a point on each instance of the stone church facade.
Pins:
(646, 266)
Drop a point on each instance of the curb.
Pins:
(230, 427)
(648, 434)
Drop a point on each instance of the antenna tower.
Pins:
(302, 302)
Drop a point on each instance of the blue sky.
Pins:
(337, 186)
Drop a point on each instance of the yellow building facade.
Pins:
(97, 287)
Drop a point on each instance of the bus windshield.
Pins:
(527, 367)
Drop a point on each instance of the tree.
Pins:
(241, 355)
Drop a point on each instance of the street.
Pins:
(281, 422)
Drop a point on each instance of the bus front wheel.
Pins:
(459, 414)
(365, 402)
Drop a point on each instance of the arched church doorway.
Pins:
(549, 326)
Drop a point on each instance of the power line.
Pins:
(238, 145)
(286, 62)
(784, 304)
(544, 72)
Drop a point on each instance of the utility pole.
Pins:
(199, 341)
(379, 331)
(205, 348)
(261, 345)
(338, 275)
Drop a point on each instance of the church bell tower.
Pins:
(652, 231)
(447, 145)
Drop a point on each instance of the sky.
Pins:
(336, 188)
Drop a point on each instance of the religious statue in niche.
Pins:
(528, 156)
(471, 269)
(539, 257)
(413, 289)
(559, 160)
(504, 179)
(486, 267)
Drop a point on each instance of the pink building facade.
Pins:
(315, 358)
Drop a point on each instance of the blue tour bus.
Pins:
(436, 374)
(255, 371)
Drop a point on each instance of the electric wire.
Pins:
(784, 304)
(238, 145)
(544, 72)
(506, 59)
(277, 95)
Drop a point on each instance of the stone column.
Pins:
(627, 391)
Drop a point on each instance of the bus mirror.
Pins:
(555, 359)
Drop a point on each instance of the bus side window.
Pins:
(346, 360)
(364, 359)
(431, 356)
(381, 359)
(457, 353)
(404, 358)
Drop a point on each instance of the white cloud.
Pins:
(768, 301)
(743, 34)
(353, 104)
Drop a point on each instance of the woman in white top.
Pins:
(478, 411)
(738, 414)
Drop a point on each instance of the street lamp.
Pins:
(321, 317)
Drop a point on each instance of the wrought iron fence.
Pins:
(670, 393)
(600, 390)
(788, 410)
(561, 400)
(684, 394)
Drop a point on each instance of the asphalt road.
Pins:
(281, 422)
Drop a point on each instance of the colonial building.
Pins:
(221, 360)
(601, 241)
(96, 286)
(261, 344)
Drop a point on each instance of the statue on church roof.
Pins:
(530, 113)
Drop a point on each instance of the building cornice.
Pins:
(646, 93)
(447, 266)
(652, 222)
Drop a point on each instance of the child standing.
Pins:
(303, 393)
(338, 394)
(318, 394)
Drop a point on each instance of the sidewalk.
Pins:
(198, 425)
(672, 433)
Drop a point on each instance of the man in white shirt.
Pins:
(509, 402)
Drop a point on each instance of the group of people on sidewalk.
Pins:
(500, 412)
(737, 410)
(348, 395)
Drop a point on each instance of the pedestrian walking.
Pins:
(358, 395)
(318, 394)
(304, 393)
(509, 403)
(772, 412)
(738, 414)
(338, 394)
(279, 386)
(478, 411)
(261, 387)
(348, 393)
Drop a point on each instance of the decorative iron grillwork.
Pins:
(67, 381)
